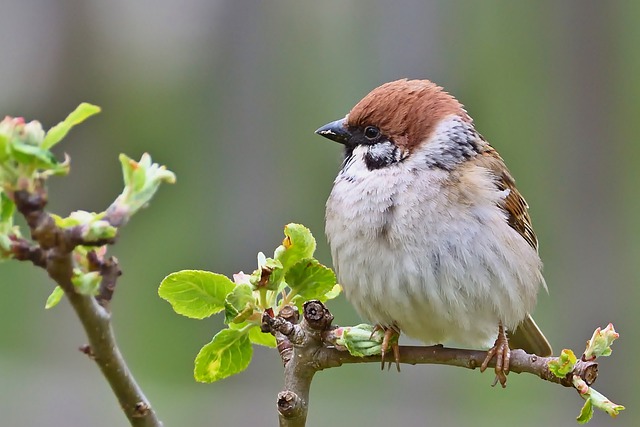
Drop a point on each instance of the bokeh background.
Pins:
(228, 94)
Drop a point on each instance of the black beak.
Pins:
(336, 131)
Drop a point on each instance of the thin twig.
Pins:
(520, 361)
(53, 252)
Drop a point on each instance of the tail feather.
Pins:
(530, 338)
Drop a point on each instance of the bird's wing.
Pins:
(514, 204)
(527, 335)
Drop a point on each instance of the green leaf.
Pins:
(310, 279)
(59, 131)
(298, 244)
(237, 301)
(256, 336)
(142, 179)
(7, 209)
(194, 293)
(601, 402)
(564, 364)
(586, 413)
(33, 155)
(333, 293)
(299, 300)
(4, 147)
(137, 178)
(7, 229)
(594, 400)
(227, 354)
(54, 298)
(261, 338)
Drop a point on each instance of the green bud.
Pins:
(360, 340)
(564, 364)
(86, 283)
(600, 342)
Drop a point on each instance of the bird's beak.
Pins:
(336, 131)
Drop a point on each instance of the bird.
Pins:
(429, 236)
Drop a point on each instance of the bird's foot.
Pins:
(502, 353)
(390, 339)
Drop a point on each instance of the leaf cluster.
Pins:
(289, 278)
(598, 346)
(26, 162)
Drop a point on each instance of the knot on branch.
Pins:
(590, 373)
(31, 206)
(587, 370)
(317, 316)
(28, 202)
(276, 324)
(86, 349)
(110, 271)
(25, 251)
(290, 405)
(141, 410)
(290, 314)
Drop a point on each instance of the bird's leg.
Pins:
(502, 353)
(390, 339)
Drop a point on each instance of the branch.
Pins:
(53, 252)
(520, 361)
(297, 344)
(109, 271)
(309, 346)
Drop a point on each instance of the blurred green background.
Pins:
(228, 94)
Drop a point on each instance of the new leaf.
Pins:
(309, 279)
(59, 131)
(196, 294)
(298, 244)
(227, 354)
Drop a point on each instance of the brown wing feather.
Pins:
(514, 204)
(527, 335)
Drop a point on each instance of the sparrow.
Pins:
(429, 235)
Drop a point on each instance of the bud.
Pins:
(600, 343)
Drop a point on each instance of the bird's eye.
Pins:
(371, 132)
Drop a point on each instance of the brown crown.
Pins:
(405, 110)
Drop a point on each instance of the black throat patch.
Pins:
(381, 155)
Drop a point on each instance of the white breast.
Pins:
(434, 257)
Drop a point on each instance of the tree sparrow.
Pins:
(429, 235)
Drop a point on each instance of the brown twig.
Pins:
(520, 361)
(297, 343)
(23, 250)
(110, 271)
(53, 252)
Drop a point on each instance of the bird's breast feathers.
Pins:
(410, 244)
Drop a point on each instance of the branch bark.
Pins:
(308, 346)
(53, 252)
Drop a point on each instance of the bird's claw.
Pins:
(390, 339)
(502, 353)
